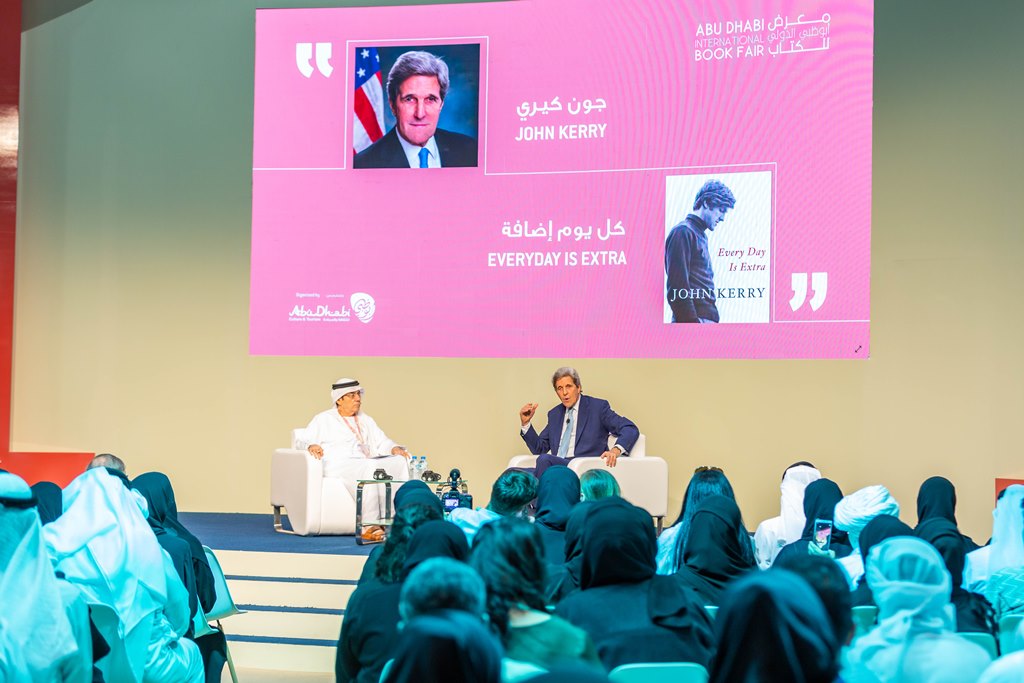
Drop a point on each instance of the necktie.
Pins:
(424, 153)
(563, 446)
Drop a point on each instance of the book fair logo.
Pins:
(364, 306)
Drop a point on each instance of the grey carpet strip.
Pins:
(295, 610)
(280, 641)
(288, 579)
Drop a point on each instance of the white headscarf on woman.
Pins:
(775, 533)
(915, 639)
(103, 545)
(36, 626)
(852, 514)
(1007, 546)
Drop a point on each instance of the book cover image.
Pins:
(718, 248)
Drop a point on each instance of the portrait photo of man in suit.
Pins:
(417, 87)
(578, 427)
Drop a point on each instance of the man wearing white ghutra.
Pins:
(352, 446)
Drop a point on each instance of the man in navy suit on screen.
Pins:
(578, 427)
(417, 85)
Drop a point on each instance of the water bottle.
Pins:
(414, 466)
(422, 466)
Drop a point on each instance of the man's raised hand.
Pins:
(526, 413)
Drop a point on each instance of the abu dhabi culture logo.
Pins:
(361, 305)
(364, 306)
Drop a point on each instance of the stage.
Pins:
(293, 590)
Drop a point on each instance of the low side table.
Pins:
(388, 517)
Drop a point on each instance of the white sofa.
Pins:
(315, 505)
(643, 479)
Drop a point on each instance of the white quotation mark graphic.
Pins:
(819, 287)
(304, 59)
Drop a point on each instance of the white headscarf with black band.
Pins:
(103, 544)
(35, 627)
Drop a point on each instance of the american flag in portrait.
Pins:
(369, 99)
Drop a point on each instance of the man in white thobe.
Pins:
(352, 446)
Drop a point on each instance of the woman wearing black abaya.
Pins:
(412, 492)
(820, 499)
(772, 627)
(557, 494)
(713, 556)
(50, 501)
(369, 632)
(156, 488)
(189, 558)
(974, 613)
(877, 530)
(564, 579)
(631, 614)
(446, 647)
(937, 500)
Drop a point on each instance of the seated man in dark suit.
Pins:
(578, 427)
(417, 85)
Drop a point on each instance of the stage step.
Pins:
(294, 606)
(284, 657)
(271, 676)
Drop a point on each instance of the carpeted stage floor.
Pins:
(252, 532)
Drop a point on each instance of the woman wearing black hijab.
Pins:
(565, 578)
(877, 530)
(772, 627)
(936, 499)
(369, 632)
(189, 558)
(50, 501)
(413, 492)
(713, 556)
(974, 613)
(557, 494)
(156, 488)
(631, 614)
(446, 647)
(820, 499)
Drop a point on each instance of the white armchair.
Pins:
(315, 505)
(643, 479)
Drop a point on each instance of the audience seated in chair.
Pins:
(775, 533)
(44, 622)
(631, 614)
(369, 632)
(915, 638)
(852, 514)
(820, 500)
(877, 530)
(974, 614)
(508, 555)
(705, 482)
(598, 484)
(717, 551)
(103, 544)
(510, 495)
(195, 573)
(936, 499)
(829, 582)
(773, 627)
(557, 494)
(446, 647)
(1004, 552)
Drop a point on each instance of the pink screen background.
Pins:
(422, 244)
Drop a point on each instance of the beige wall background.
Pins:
(133, 271)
